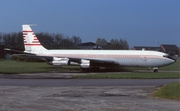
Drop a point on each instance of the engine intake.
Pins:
(85, 64)
(59, 61)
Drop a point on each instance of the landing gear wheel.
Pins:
(155, 69)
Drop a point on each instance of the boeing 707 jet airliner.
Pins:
(93, 59)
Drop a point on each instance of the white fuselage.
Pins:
(122, 57)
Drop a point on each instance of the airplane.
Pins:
(94, 59)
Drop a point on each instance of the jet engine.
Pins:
(85, 64)
(59, 61)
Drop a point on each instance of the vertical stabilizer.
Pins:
(31, 42)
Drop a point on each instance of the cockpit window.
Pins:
(170, 57)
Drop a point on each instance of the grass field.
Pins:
(169, 91)
(17, 67)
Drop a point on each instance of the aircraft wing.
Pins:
(34, 56)
(93, 62)
(16, 51)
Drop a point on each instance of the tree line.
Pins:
(114, 44)
(14, 40)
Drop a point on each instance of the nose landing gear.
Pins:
(155, 69)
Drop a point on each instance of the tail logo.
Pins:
(29, 38)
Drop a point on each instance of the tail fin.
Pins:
(31, 42)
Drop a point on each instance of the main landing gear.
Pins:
(155, 69)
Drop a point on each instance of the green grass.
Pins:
(169, 91)
(133, 75)
(17, 67)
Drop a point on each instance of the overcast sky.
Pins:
(140, 22)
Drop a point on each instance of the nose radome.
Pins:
(172, 61)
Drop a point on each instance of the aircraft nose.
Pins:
(168, 62)
(172, 59)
